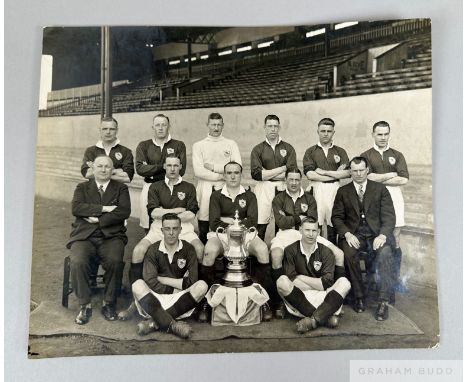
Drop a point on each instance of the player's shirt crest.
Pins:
(118, 156)
(181, 263)
(317, 265)
(181, 195)
(170, 150)
(227, 153)
(304, 207)
(391, 160)
(242, 203)
(283, 153)
(337, 158)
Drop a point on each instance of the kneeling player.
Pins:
(223, 205)
(308, 286)
(169, 289)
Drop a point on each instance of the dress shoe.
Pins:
(204, 313)
(280, 311)
(306, 324)
(359, 305)
(108, 311)
(180, 329)
(128, 313)
(84, 315)
(267, 315)
(381, 314)
(333, 322)
(146, 327)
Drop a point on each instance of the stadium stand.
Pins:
(289, 74)
(412, 72)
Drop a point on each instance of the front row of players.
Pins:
(307, 269)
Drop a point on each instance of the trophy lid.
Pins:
(236, 226)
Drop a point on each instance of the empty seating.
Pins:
(294, 75)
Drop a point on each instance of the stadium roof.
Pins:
(57, 38)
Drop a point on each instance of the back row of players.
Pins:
(217, 166)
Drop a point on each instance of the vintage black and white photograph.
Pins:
(234, 189)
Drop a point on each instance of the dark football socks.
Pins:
(136, 272)
(182, 305)
(276, 274)
(263, 275)
(152, 306)
(298, 300)
(207, 274)
(339, 272)
(331, 303)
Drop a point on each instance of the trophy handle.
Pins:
(218, 231)
(251, 229)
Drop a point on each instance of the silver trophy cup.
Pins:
(235, 251)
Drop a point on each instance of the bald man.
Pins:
(100, 207)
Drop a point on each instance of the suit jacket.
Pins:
(378, 207)
(87, 202)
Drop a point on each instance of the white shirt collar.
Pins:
(167, 140)
(301, 192)
(364, 185)
(303, 251)
(101, 146)
(215, 139)
(163, 249)
(273, 146)
(376, 148)
(166, 180)
(104, 185)
(320, 145)
(225, 192)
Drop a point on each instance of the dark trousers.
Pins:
(110, 253)
(203, 229)
(384, 263)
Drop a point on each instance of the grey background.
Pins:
(23, 33)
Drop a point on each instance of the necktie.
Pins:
(101, 191)
(361, 193)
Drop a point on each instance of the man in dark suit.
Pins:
(101, 207)
(364, 217)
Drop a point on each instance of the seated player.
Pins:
(308, 285)
(171, 195)
(290, 207)
(223, 205)
(101, 207)
(170, 289)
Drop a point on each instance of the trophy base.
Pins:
(236, 277)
